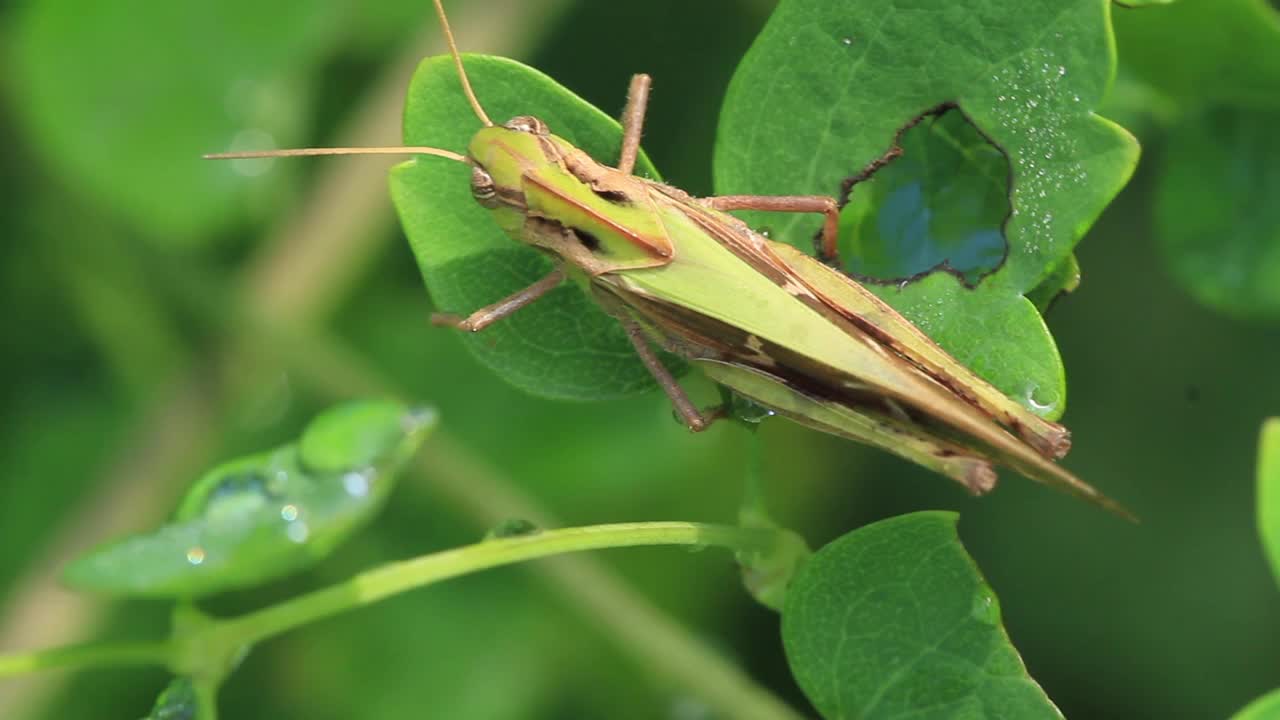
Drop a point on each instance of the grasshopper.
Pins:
(759, 317)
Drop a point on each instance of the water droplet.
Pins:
(512, 527)
(766, 231)
(417, 418)
(278, 482)
(1042, 408)
(986, 609)
(289, 512)
(195, 555)
(356, 484)
(298, 532)
(1062, 70)
(846, 41)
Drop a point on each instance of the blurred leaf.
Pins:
(1215, 210)
(826, 87)
(941, 206)
(1205, 51)
(1266, 707)
(894, 620)
(561, 346)
(1269, 492)
(176, 702)
(265, 516)
(128, 127)
(768, 575)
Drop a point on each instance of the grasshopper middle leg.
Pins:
(633, 121)
(486, 316)
(695, 419)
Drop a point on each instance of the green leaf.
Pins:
(827, 86)
(177, 701)
(1064, 280)
(894, 620)
(264, 516)
(1266, 707)
(1269, 492)
(1216, 217)
(1205, 51)
(128, 128)
(563, 345)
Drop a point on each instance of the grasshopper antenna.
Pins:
(462, 74)
(296, 152)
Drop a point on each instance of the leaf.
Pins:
(1063, 281)
(1269, 492)
(1205, 51)
(894, 620)
(1216, 217)
(264, 516)
(563, 345)
(827, 86)
(177, 701)
(1266, 707)
(128, 128)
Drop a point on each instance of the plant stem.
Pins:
(382, 582)
(82, 656)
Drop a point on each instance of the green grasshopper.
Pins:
(759, 317)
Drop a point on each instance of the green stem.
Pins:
(89, 655)
(374, 585)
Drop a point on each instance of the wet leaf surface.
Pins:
(827, 86)
(265, 516)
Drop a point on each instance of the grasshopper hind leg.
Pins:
(827, 249)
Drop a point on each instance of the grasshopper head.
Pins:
(501, 155)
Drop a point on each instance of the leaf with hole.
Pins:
(827, 87)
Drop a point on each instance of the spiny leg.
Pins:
(633, 121)
(486, 316)
(789, 203)
(695, 419)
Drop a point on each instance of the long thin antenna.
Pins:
(462, 74)
(411, 150)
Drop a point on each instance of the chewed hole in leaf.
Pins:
(940, 205)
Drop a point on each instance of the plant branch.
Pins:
(382, 582)
(87, 655)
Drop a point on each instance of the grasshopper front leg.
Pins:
(486, 316)
(789, 203)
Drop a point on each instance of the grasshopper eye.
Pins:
(527, 123)
(483, 188)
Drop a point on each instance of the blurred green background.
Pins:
(162, 312)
